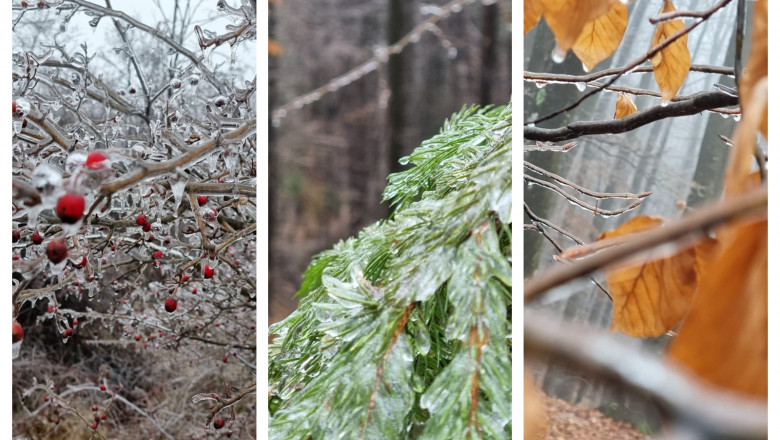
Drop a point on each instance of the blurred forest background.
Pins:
(328, 161)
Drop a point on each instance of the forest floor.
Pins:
(567, 421)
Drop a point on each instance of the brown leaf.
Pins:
(534, 413)
(600, 37)
(671, 64)
(274, 48)
(624, 106)
(724, 338)
(739, 176)
(532, 12)
(757, 60)
(651, 297)
(567, 18)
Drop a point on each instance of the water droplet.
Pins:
(457, 8)
(177, 188)
(540, 84)
(664, 102)
(585, 68)
(558, 54)
(452, 53)
(737, 117)
(580, 86)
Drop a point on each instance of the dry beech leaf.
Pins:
(567, 18)
(600, 37)
(624, 106)
(724, 338)
(757, 60)
(739, 177)
(274, 48)
(532, 12)
(534, 412)
(671, 64)
(651, 297)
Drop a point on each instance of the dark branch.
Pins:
(696, 104)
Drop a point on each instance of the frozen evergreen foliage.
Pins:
(403, 332)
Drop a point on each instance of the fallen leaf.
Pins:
(534, 413)
(651, 297)
(724, 339)
(532, 12)
(274, 48)
(757, 60)
(567, 18)
(624, 106)
(600, 37)
(671, 64)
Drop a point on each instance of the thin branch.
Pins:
(715, 413)
(149, 169)
(739, 40)
(583, 190)
(696, 104)
(548, 146)
(650, 53)
(594, 209)
(698, 222)
(558, 78)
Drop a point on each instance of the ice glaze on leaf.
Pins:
(567, 18)
(671, 64)
(600, 37)
(624, 106)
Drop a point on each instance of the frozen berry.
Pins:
(36, 238)
(140, 220)
(102, 387)
(224, 359)
(132, 90)
(202, 200)
(41, 4)
(219, 423)
(157, 255)
(96, 160)
(51, 309)
(103, 417)
(147, 227)
(18, 332)
(170, 305)
(57, 251)
(75, 322)
(94, 408)
(16, 235)
(70, 208)
(137, 337)
(208, 272)
(94, 425)
(68, 332)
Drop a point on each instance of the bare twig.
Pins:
(558, 77)
(739, 40)
(548, 146)
(698, 222)
(696, 104)
(594, 209)
(583, 190)
(714, 413)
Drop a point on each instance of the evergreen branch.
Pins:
(696, 104)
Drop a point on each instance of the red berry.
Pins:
(16, 235)
(45, 398)
(75, 322)
(132, 90)
(41, 4)
(208, 272)
(137, 337)
(70, 208)
(202, 200)
(224, 359)
(147, 227)
(56, 421)
(94, 425)
(157, 255)
(170, 305)
(219, 423)
(36, 238)
(51, 309)
(17, 332)
(140, 220)
(103, 417)
(68, 332)
(194, 290)
(96, 160)
(24, 5)
(102, 387)
(184, 278)
(94, 408)
(83, 262)
(57, 251)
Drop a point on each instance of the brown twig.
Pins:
(583, 190)
(696, 104)
(595, 209)
(558, 77)
(698, 222)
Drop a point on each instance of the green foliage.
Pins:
(404, 331)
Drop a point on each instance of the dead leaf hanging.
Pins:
(757, 60)
(624, 106)
(651, 297)
(567, 18)
(671, 64)
(600, 37)
(532, 12)
(724, 338)
(534, 412)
